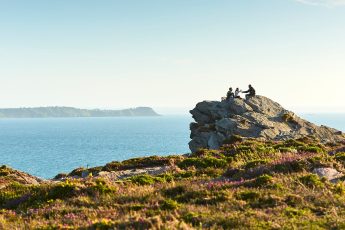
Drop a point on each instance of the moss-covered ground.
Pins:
(245, 185)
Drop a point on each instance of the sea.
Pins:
(45, 147)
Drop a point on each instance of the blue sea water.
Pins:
(335, 120)
(45, 147)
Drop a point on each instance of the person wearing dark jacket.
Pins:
(250, 92)
(230, 94)
(237, 93)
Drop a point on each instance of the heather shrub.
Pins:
(311, 181)
(293, 212)
(287, 150)
(340, 157)
(261, 181)
(4, 171)
(296, 165)
(100, 186)
(294, 200)
(144, 179)
(248, 195)
(142, 162)
(268, 201)
(169, 204)
(13, 191)
(174, 191)
(311, 149)
(203, 162)
(62, 190)
(255, 163)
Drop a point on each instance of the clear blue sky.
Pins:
(171, 53)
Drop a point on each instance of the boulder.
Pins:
(330, 174)
(255, 117)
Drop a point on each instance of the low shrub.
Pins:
(210, 172)
(248, 195)
(339, 189)
(184, 175)
(266, 202)
(13, 192)
(293, 212)
(144, 179)
(255, 163)
(136, 207)
(311, 181)
(287, 150)
(166, 177)
(193, 218)
(4, 170)
(203, 162)
(294, 200)
(293, 143)
(169, 204)
(340, 157)
(311, 149)
(297, 165)
(175, 191)
(62, 190)
(101, 187)
(261, 181)
(141, 162)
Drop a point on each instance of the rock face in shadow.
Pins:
(257, 117)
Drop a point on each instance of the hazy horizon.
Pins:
(185, 110)
(170, 55)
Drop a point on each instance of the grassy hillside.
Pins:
(245, 185)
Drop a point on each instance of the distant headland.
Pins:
(55, 111)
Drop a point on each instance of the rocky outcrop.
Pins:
(9, 175)
(256, 117)
(123, 174)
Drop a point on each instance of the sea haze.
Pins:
(47, 146)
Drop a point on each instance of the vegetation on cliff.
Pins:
(246, 184)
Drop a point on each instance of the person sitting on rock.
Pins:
(230, 94)
(250, 92)
(237, 93)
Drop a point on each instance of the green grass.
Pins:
(247, 184)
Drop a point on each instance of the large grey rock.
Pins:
(330, 174)
(257, 117)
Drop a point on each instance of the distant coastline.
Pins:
(56, 111)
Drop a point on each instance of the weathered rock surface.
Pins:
(9, 175)
(256, 117)
(123, 174)
(120, 174)
(330, 174)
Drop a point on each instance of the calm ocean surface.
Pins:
(48, 146)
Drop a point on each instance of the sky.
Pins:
(171, 54)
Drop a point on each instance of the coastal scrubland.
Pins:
(247, 184)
